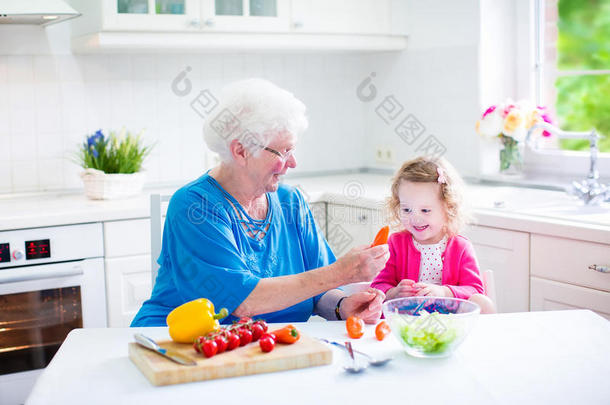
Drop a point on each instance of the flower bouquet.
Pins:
(112, 164)
(509, 123)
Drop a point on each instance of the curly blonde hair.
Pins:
(425, 170)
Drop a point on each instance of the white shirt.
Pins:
(431, 263)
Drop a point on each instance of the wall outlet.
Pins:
(384, 155)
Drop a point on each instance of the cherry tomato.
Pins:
(197, 344)
(257, 331)
(355, 327)
(210, 348)
(221, 342)
(244, 319)
(234, 341)
(267, 343)
(382, 330)
(245, 336)
(263, 324)
(270, 335)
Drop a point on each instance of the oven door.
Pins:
(41, 304)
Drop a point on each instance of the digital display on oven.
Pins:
(37, 249)
(5, 252)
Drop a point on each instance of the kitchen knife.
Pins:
(150, 344)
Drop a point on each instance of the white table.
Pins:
(538, 357)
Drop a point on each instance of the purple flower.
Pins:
(93, 140)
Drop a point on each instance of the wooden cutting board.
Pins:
(246, 360)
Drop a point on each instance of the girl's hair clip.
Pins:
(441, 176)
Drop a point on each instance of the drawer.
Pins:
(568, 261)
(127, 238)
(547, 295)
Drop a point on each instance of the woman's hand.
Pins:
(403, 289)
(365, 305)
(433, 290)
(363, 263)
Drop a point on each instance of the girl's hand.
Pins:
(433, 290)
(403, 289)
(365, 305)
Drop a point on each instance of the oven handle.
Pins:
(40, 272)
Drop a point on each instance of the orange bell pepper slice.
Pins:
(288, 334)
(382, 236)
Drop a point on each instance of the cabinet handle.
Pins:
(362, 218)
(209, 22)
(297, 24)
(601, 269)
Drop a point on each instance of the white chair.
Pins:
(489, 285)
(158, 209)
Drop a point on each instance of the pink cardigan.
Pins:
(460, 267)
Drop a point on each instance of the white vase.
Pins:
(103, 186)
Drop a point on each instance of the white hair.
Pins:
(253, 111)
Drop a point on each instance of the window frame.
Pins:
(550, 162)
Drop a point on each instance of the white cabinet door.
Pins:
(245, 16)
(126, 238)
(571, 261)
(151, 15)
(506, 253)
(349, 226)
(128, 285)
(342, 16)
(550, 295)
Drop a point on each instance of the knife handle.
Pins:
(147, 342)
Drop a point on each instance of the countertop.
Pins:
(558, 357)
(520, 209)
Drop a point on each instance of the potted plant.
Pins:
(112, 165)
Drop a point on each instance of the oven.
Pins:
(51, 281)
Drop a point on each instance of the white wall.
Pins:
(49, 99)
(436, 80)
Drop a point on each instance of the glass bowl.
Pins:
(430, 326)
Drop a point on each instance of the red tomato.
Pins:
(245, 336)
(257, 331)
(234, 341)
(263, 324)
(221, 342)
(382, 330)
(267, 343)
(355, 327)
(271, 335)
(244, 319)
(210, 348)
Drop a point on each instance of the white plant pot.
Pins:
(102, 186)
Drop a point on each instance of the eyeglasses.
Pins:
(284, 156)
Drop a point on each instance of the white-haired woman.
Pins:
(246, 242)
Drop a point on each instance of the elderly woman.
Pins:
(248, 243)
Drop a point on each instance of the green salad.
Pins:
(430, 333)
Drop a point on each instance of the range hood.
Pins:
(35, 12)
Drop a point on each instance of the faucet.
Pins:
(589, 190)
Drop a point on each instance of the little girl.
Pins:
(428, 257)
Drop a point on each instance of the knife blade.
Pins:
(151, 345)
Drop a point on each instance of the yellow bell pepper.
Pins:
(193, 319)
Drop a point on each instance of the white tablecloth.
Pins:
(521, 358)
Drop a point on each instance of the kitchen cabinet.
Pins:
(127, 262)
(350, 226)
(569, 280)
(318, 210)
(506, 253)
(342, 16)
(175, 25)
(128, 285)
(548, 295)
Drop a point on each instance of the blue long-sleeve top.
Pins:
(206, 252)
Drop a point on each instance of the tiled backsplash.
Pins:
(48, 103)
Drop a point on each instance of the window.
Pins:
(573, 69)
